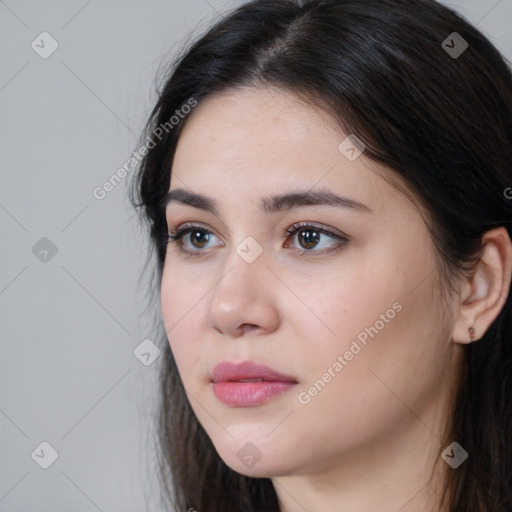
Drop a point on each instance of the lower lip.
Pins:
(246, 394)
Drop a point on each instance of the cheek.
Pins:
(182, 293)
(338, 309)
(378, 382)
(376, 318)
(182, 303)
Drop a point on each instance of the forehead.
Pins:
(257, 123)
(261, 141)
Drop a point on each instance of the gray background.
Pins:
(70, 323)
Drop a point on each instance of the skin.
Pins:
(371, 437)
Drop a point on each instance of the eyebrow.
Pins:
(270, 204)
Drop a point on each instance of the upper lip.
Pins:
(229, 371)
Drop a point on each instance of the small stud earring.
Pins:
(471, 332)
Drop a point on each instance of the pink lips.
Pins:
(231, 386)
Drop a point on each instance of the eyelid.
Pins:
(328, 230)
(287, 231)
(187, 225)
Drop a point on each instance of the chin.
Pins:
(261, 469)
(257, 461)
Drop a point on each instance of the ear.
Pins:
(484, 293)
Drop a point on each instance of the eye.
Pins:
(311, 237)
(193, 239)
(198, 240)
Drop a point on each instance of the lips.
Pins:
(248, 384)
(247, 371)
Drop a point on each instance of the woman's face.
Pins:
(346, 307)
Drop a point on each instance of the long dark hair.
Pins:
(439, 114)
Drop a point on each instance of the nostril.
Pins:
(249, 327)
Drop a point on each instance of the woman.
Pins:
(328, 198)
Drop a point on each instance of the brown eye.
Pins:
(192, 239)
(314, 240)
(199, 238)
(308, 238)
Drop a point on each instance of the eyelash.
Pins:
(184, 229)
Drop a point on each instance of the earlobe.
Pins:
(486, 290)
(463, 334)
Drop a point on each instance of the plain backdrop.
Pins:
(72, 309)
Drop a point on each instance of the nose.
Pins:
(242, 301)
